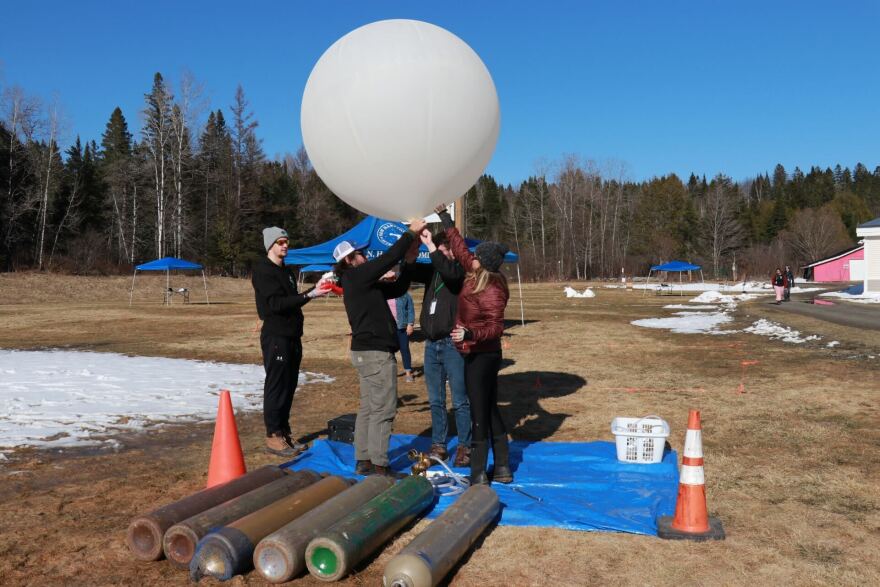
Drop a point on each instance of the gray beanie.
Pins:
(272, 234)
(491, 255)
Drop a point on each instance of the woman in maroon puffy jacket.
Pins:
(477, 335)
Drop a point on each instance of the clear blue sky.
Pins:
(663, 86)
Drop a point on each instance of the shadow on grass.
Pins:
(519, 397)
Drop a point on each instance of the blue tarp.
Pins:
(570, 485)
(376, 235)
(676, 266)
(166, 264)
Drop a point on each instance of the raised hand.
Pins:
(417, 225)
(427, 239)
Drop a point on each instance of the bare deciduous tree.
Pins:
(720, 231)
(158, 132)
(47, 180)
(814, 233)
(21, 119)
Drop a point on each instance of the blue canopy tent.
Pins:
(168, 264)
(377, 235)
(675, 267)
(319, 268)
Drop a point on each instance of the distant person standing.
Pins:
(405, 316)
(779, 282)
(279, 306)
(789, 279)
(443, 279)
(374, 342)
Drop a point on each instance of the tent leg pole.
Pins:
(131, 291)
(205, 281)
(522, 311)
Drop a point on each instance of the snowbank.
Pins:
(741, 287)
(570, 292)
(687, 322)
(856, 293)
(66, 398)
(765, 327)
(714, 297)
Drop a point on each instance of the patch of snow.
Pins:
(833, 344)
(570, 292)
(855, 293)
(714, 297)
(687, 322)
(775, 331)
(66, 398)
(741, 287)
(689, 307)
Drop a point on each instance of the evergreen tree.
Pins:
(777, 221)
(117, 168)
(780, 178)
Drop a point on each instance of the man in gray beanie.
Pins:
(279, 306)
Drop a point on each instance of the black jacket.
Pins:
(373, 328)
(278, 303)
(443, 280)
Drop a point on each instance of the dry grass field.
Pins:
(792, 446)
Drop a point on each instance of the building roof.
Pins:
(836, 256)
(871, 223)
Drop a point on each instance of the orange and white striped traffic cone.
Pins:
(691, 520)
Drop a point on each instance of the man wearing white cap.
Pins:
(279, 305)
(374, 341)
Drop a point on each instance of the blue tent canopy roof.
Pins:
(376, 235)
(166, 264)
(676, 266)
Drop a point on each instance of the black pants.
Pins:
(481, 383)
(282, 356)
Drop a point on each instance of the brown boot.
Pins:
(462, 457)
(387, 472)
(284, 446)
(439, 451)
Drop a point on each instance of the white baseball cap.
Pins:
(344, 249)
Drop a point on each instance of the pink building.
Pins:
(848, 265)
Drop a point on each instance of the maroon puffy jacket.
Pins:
(481, 313)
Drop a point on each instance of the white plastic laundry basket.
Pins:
(640, 440)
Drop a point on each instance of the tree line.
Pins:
(200, 187)
(577, 219)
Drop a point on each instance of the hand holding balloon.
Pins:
(428, 240)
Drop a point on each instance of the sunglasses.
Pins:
(282, 242)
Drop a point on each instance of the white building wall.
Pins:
(872, 264)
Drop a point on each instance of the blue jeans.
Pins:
(444, 363)
(403, 342)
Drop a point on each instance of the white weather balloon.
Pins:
(399, 116)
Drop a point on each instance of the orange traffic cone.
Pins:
(691, 520)
(227, 461)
